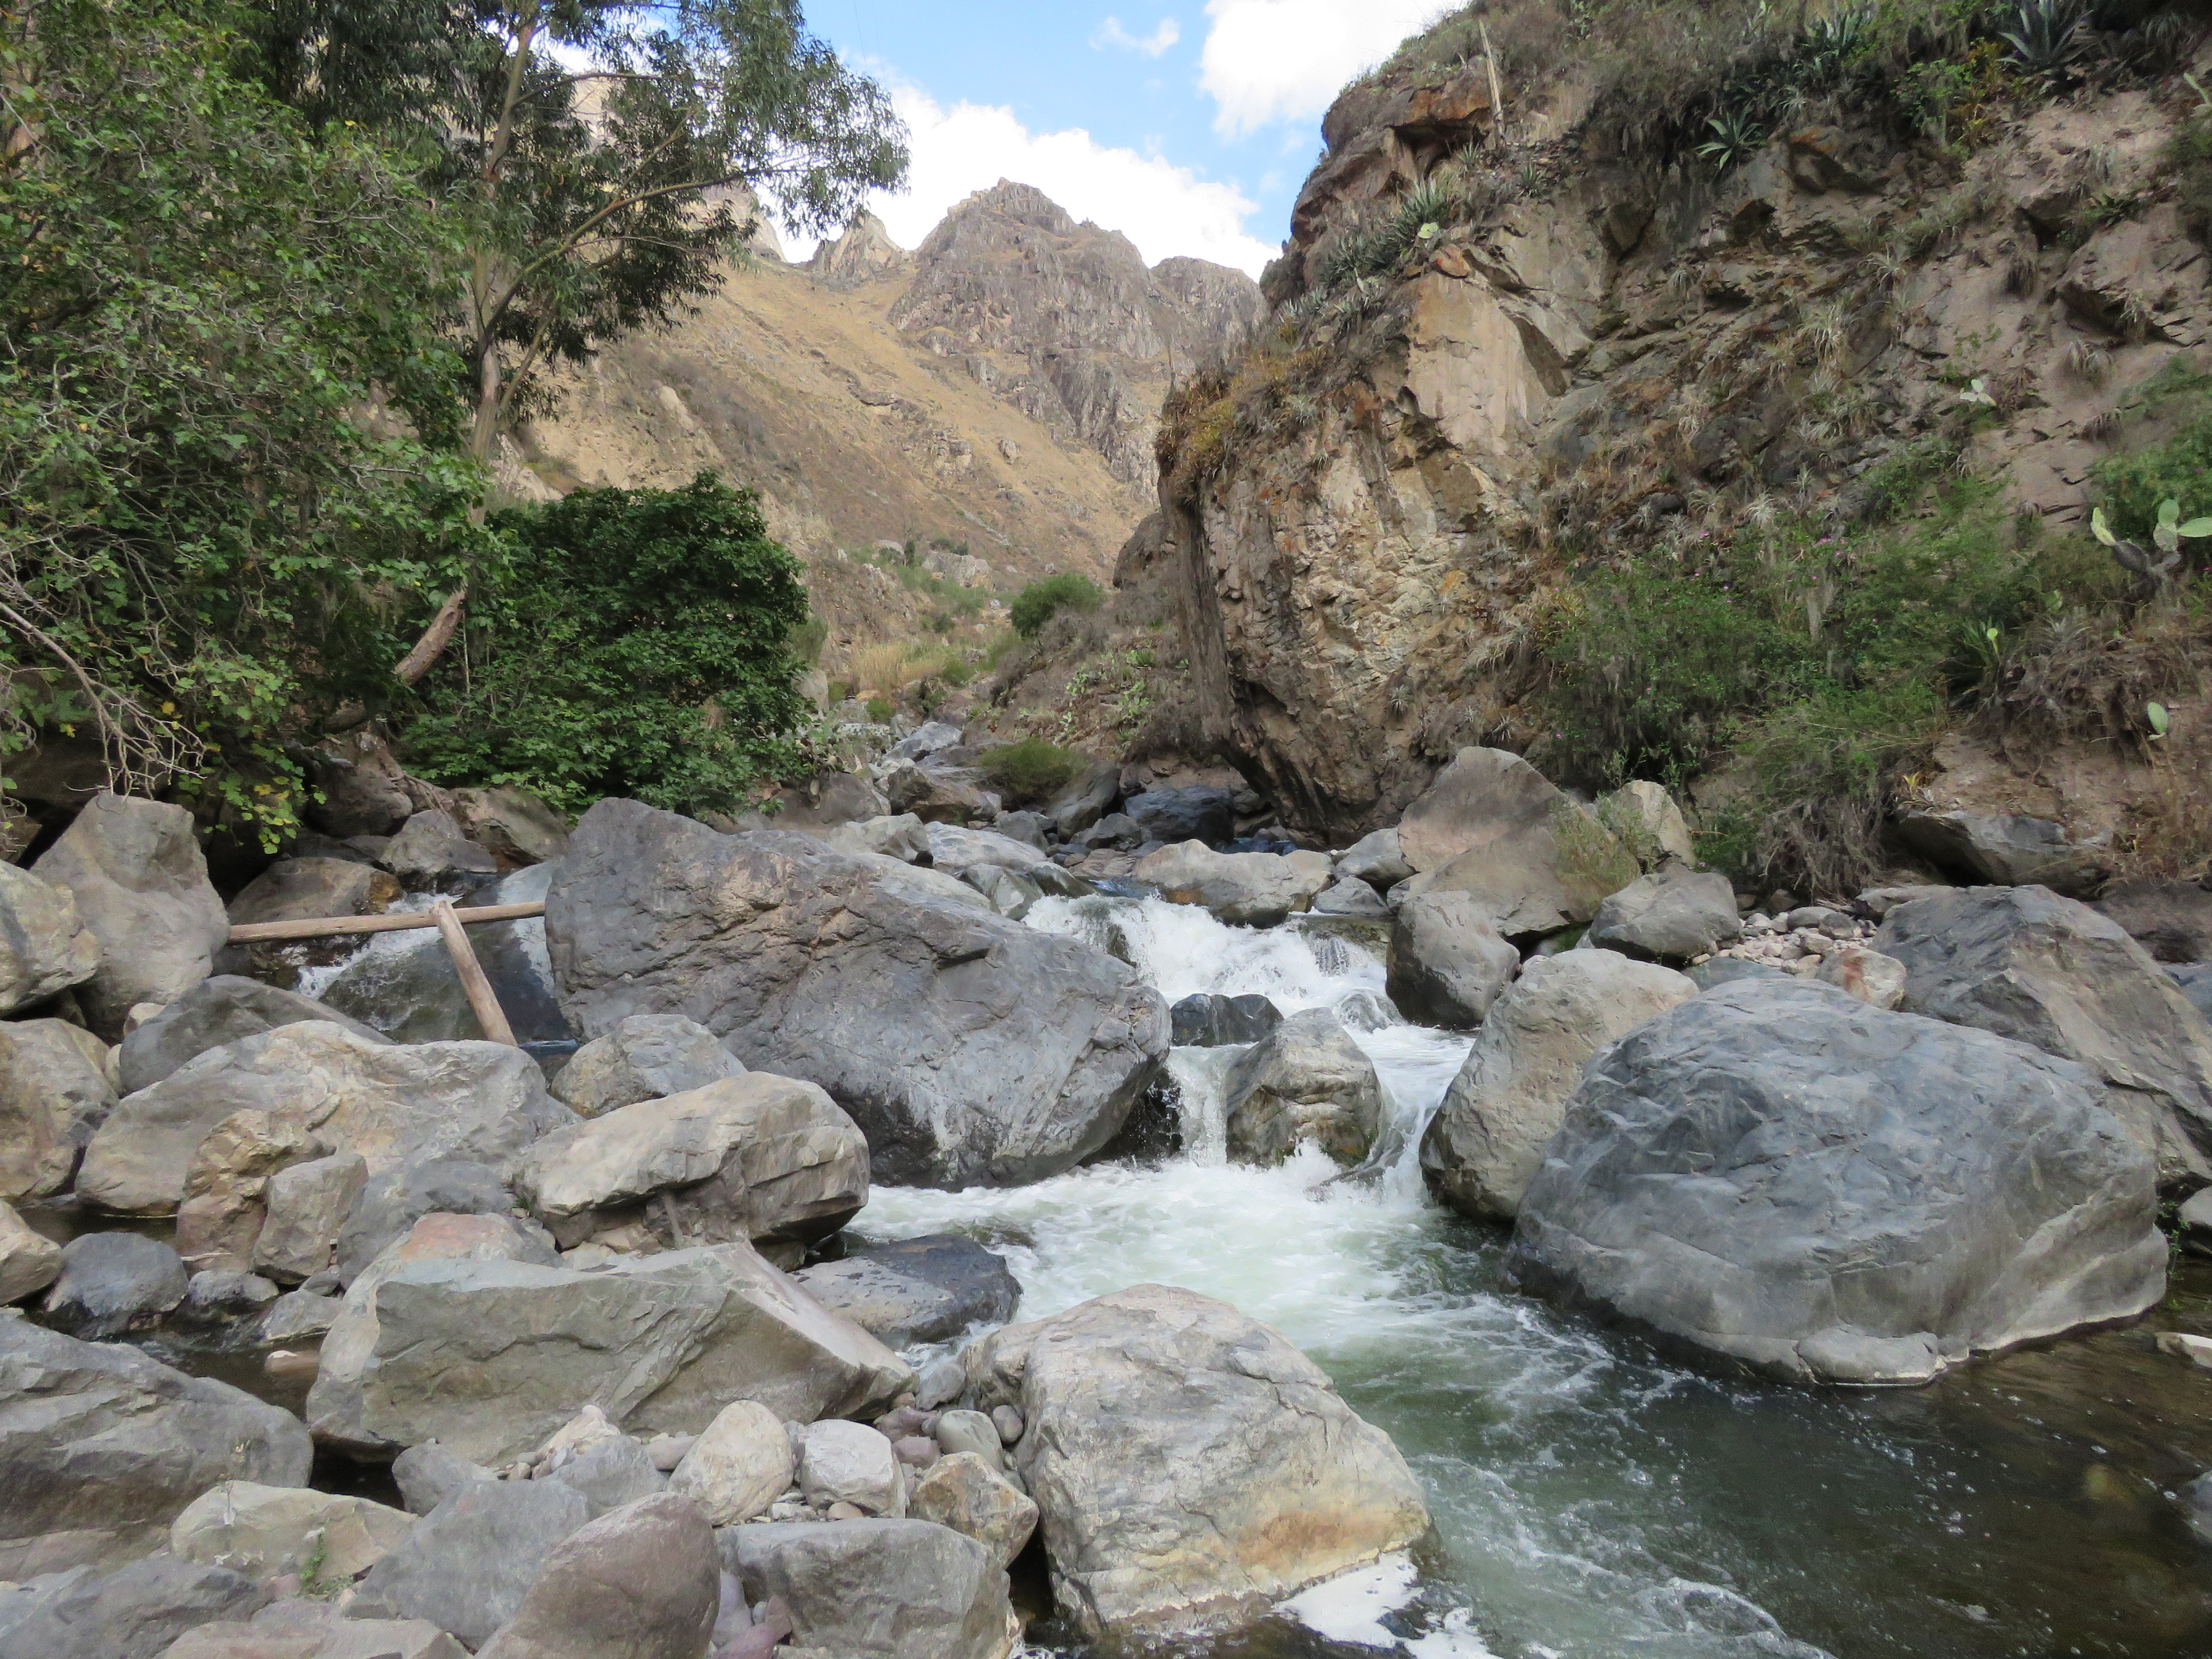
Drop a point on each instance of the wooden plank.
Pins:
(258, 931)
(474, 982)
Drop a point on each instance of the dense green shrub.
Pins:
(1036, 604)
(1030, 770)
(639, 648)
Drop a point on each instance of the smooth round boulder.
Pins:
(739, 1464)
(845, 1462)
(112, 1283)
(1307, 1083)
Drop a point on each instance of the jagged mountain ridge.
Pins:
(998, 386)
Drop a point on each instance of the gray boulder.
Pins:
(112, 1283)
(1306, 1082)
(268, 1530)
(755, 1156)
(1492, 828)
(393, 1104)
(851, 1463)
(1376, 860)
(2195, 980)
(1448, 961)
(1676, 912)
(28, 1261)
(642, 1582)
(917, 1289)
(1205, 1020)
(1032, 830)
(876, 1589)
(1783, 1177)
(363, 787)
(301, 1627)
(431, 847)
(1643, 817)
(215, 1011)
(2009, 851)
(307, 1204)
(1487, 1138)
(956, 851)
(967, 1047)
(1116, 832)
(930, 738)
(488, 1357)
(310, 889)
(1192, 1467)
(904, 837)
(645, 1057)
(100, 1447)
(1011, 895)
(1086, 800)
(827, 801)
(610, 1473)
(141, 888)
(395, 1198)
(1255, 890)
(1351, 898)
(2024, 963)
(1201, 812)
(1728, 971)
(970, 1494)
(467, 1566)
(57, 1087)
(219, 1296)
(512, 824)
(427, 1474)
(44, 946)
(2171, 920)
(737, 1466)
(296, 1316)
(133, 1613)
(939, 795)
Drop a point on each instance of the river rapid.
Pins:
(1592, 1499)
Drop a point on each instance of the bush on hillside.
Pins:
(1038, 603)
(1031, 770)
(640, 648)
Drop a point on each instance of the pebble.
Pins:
(285, 1366)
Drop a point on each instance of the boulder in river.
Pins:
(1448, 961)
(512, 824)
(57, 1087)
(1204, 1020)
(645, 1057)
(739, 1464)
(219, 1009)
(754, 1155)
(2026, 964)
(140, 886)
(390, 1102)
(642, 1582)
(44, 946)
(488, 1357)
(903, 837)
(1376, 860)
(1306, 1082)
(939, 795)
(1487, 1138)
(968, 1048)
(101, 1446)
(1201, 812)
(1086, 800)
(1255, 890)
(112, 1283)
(1351, 898)
(1493, 827)
(28, 1261)
(917, 1290)
(969, 1494)
(1192, 1467)
(312, 889)
(876, 1588)
(1674, 913)
(1783, 1176)
(430, 847)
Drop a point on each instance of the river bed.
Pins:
(1591, 1498)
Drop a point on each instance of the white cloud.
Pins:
(1165, 209)
(1285, 60)
(1111, 33)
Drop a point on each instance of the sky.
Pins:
(1187, 126)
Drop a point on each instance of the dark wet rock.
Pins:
(1199, 812)
(1207, 1021)
(917, 1289)
(112, 1283)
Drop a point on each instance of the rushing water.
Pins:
(1592, 1500)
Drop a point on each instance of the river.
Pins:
(1591, 1499)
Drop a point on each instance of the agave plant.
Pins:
(1736, 134)
(2045, 36)
(1832, 44)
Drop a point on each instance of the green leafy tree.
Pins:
(604, 156)
(220, 359)
(1045, 598)
(640, 646)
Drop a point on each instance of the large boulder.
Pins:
(312, 889)
(1086, 800)
(842, 1462)
(133, 1613)
(141, 887)
(903, 837)
(1378, 860)
(100, 1447)
(490, 1357)
(1780, 1175)
(57, 1088)
(394, 1199)
(1348, 896)
(1255, 890)
(1448, 961)
(1199, 812)
(2009, 851)
(404, 984)
(917, 1290)
(645, 1057)
(956, 851)
(876, 1589)
(968, 1048)
(1488, 1138)
(393, 1104)
(430, 847)
(1676, 912)
(513, 823)
(2171, 920)
(112, 1283)
(1493, 827)
(1643, 817)
(741, 1463)
(1192, 1467)
(28, 1261)
(44, 946)
(755, 1156)
(467, 1566)
(363, 789)
(938, 795)
(264, 1531)
(215, 1011)
(642, 1582)
(968, 1493)
(306, 1204)
(1306, 1082)
(1205, 1020)
(301, 1627)
(2024, 963)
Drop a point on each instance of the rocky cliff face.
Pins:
(1363, 522)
